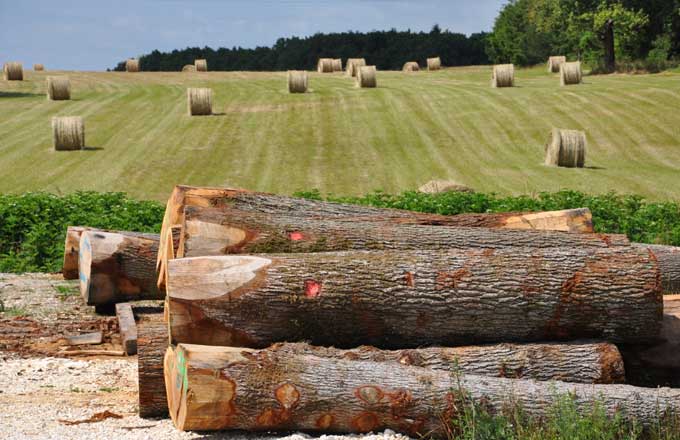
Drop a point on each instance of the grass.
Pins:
(64, 292)
(15, 311)
(342, 140)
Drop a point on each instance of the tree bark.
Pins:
(117, 267)
(608, 42)
(411, 298)
(152, 341)
(669, 265)
(127, 328)
(575, 220)
(211, 388)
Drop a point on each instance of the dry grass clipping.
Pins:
(353, 64)
(132, 65)
(434, 63)
(410, 66)
(13, 71)
(366, 77)
(199, 101)
(297, 81)
(566, 148)
(337, 65)
(201, 65)
(58, 88)
(570, 73)
(440, 186)
(503, 75)
(189, 68)
(555, 62)
(38, 67)
(68, 133)
(324, 65)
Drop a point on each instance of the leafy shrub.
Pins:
(33, 225)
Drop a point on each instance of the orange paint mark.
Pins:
(451, 279)
(312, 288)
(369, 394)
(296, 236)
(267, 418)
(365, 422)
(571, 283)
(287, 395)
(409, 278)
(325, 421)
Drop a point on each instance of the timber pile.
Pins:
(252, 279)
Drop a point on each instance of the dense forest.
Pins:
(604, 34)
(386, 49)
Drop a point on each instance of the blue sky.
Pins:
(94, 35)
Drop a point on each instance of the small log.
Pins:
(408, 298)
(93, 353)
(151, 345)
(669, 264)
(85, 339)
(127, 328)
(116, 267)
(212, 388)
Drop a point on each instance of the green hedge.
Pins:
(33, 225)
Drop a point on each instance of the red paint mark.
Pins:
(312, 288)
(451, 279)
(408, 277)
(267, 418)
(365, 422)
(296, 236)
(325, 421)
(571, 283)
(369, 394)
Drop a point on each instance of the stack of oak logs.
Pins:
(292, 314)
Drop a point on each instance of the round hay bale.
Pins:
(297, 81)
(366, 77)
(199, 101)
(434, 63)
(325, 65)
(570, 73)
(503, 75)
(13, 71)
(189, 68)
(410, 66)
(353, 64)
(68, 133)
(440, 186)
(201, 65)
(566, 148)
(38, 67)
(58, 88)
(132, 65)
(555, 62)
(337, 65)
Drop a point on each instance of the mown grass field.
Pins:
(414, 127)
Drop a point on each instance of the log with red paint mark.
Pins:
(413, 298)
(291, 389)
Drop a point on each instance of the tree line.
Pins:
(385, 49)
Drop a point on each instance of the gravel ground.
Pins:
(45, 395)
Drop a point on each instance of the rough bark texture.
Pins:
(152, 341)
(212, 388)
(127, 328)
(218, 231)
(669, 265)
(410, 298)
(115, 267)
(578, 220)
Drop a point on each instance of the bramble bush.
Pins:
(33, 225)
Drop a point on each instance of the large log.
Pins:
(117, 267)
(669, 264)
(152, 341)
(218, 231)
(411, 298)
(211, 388)
(575, 220)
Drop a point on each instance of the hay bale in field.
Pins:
(566, 148)
(201, 65)
(324, 65)
(503, 75)
(570, 73)
(189, 68)
(13, 71)
(337, 65)
(353, 64)
(68, 133)
(199, 101)
(58, 88)
(434, 63)
(366, 77)
(555, 62)
(38, 67)
(297, 81)
(410, 66)
(132, 65)
(440, 186)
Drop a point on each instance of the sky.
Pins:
(96, 34)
